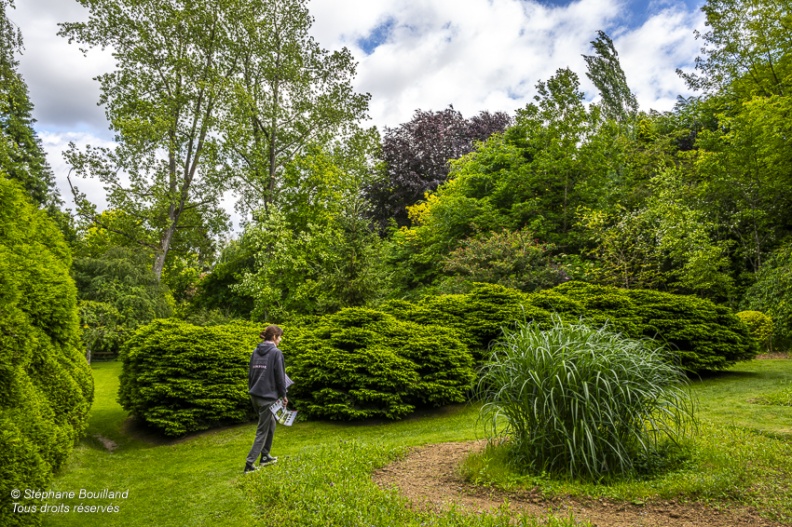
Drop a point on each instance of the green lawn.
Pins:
(195, 481)
(726, 399)
(198, 480)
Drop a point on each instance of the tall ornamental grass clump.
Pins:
(583, 401)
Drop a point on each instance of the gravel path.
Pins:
(429, 478)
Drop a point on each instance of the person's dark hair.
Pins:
(270, 332)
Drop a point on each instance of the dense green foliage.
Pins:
(46, 387)
(416, 156)
(512, 259)
(214, 291)
(360, 363)
(582, 401)
(760, 326)
(477, 316)
(702, 335)
(316, 253)
(179, 378)
(118, 293)
(769, 293)
(534, 176)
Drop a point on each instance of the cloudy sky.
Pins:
(412, 54)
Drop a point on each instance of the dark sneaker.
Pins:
(267, 460)
(250, 468)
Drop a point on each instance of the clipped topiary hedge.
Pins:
(704, 336)
(355, 364)
(179, 378)
(360, 363)
(478, 316)
(46, 387)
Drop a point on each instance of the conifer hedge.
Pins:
(703, 335)
(364, 363)
(477, 316)
(360, 363)
(46, 387)
(180, 378)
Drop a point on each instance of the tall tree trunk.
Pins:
(165, 243)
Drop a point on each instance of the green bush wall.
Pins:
(703, 335)
(360, 363)
(364, 363)
(179, 378)
(477, 316)
(46, 387)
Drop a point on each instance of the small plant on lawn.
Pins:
(583, 401)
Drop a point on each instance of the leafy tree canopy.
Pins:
(288, 94)
(747, 50)
(417, 157)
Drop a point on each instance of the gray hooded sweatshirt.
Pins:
(267, 372)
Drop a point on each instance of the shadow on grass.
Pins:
(725, 375)
(417, 415)
(148, 436)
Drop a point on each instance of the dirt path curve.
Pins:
(428, 477)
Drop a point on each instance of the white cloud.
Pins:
(476, 54)
(55, 143)
(59, 77)
(651, 54)
(489, 54)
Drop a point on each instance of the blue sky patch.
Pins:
(638, 11)
(377, 37)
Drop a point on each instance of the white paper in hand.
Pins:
(282, 414)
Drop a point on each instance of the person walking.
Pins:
(267, 382)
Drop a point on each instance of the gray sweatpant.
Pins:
(265, 430)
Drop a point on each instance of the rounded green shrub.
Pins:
(360, 363)
(46, 387)
(703, 336)
(179, 378)
(582, 401)
(477, 316)
(760, 326)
